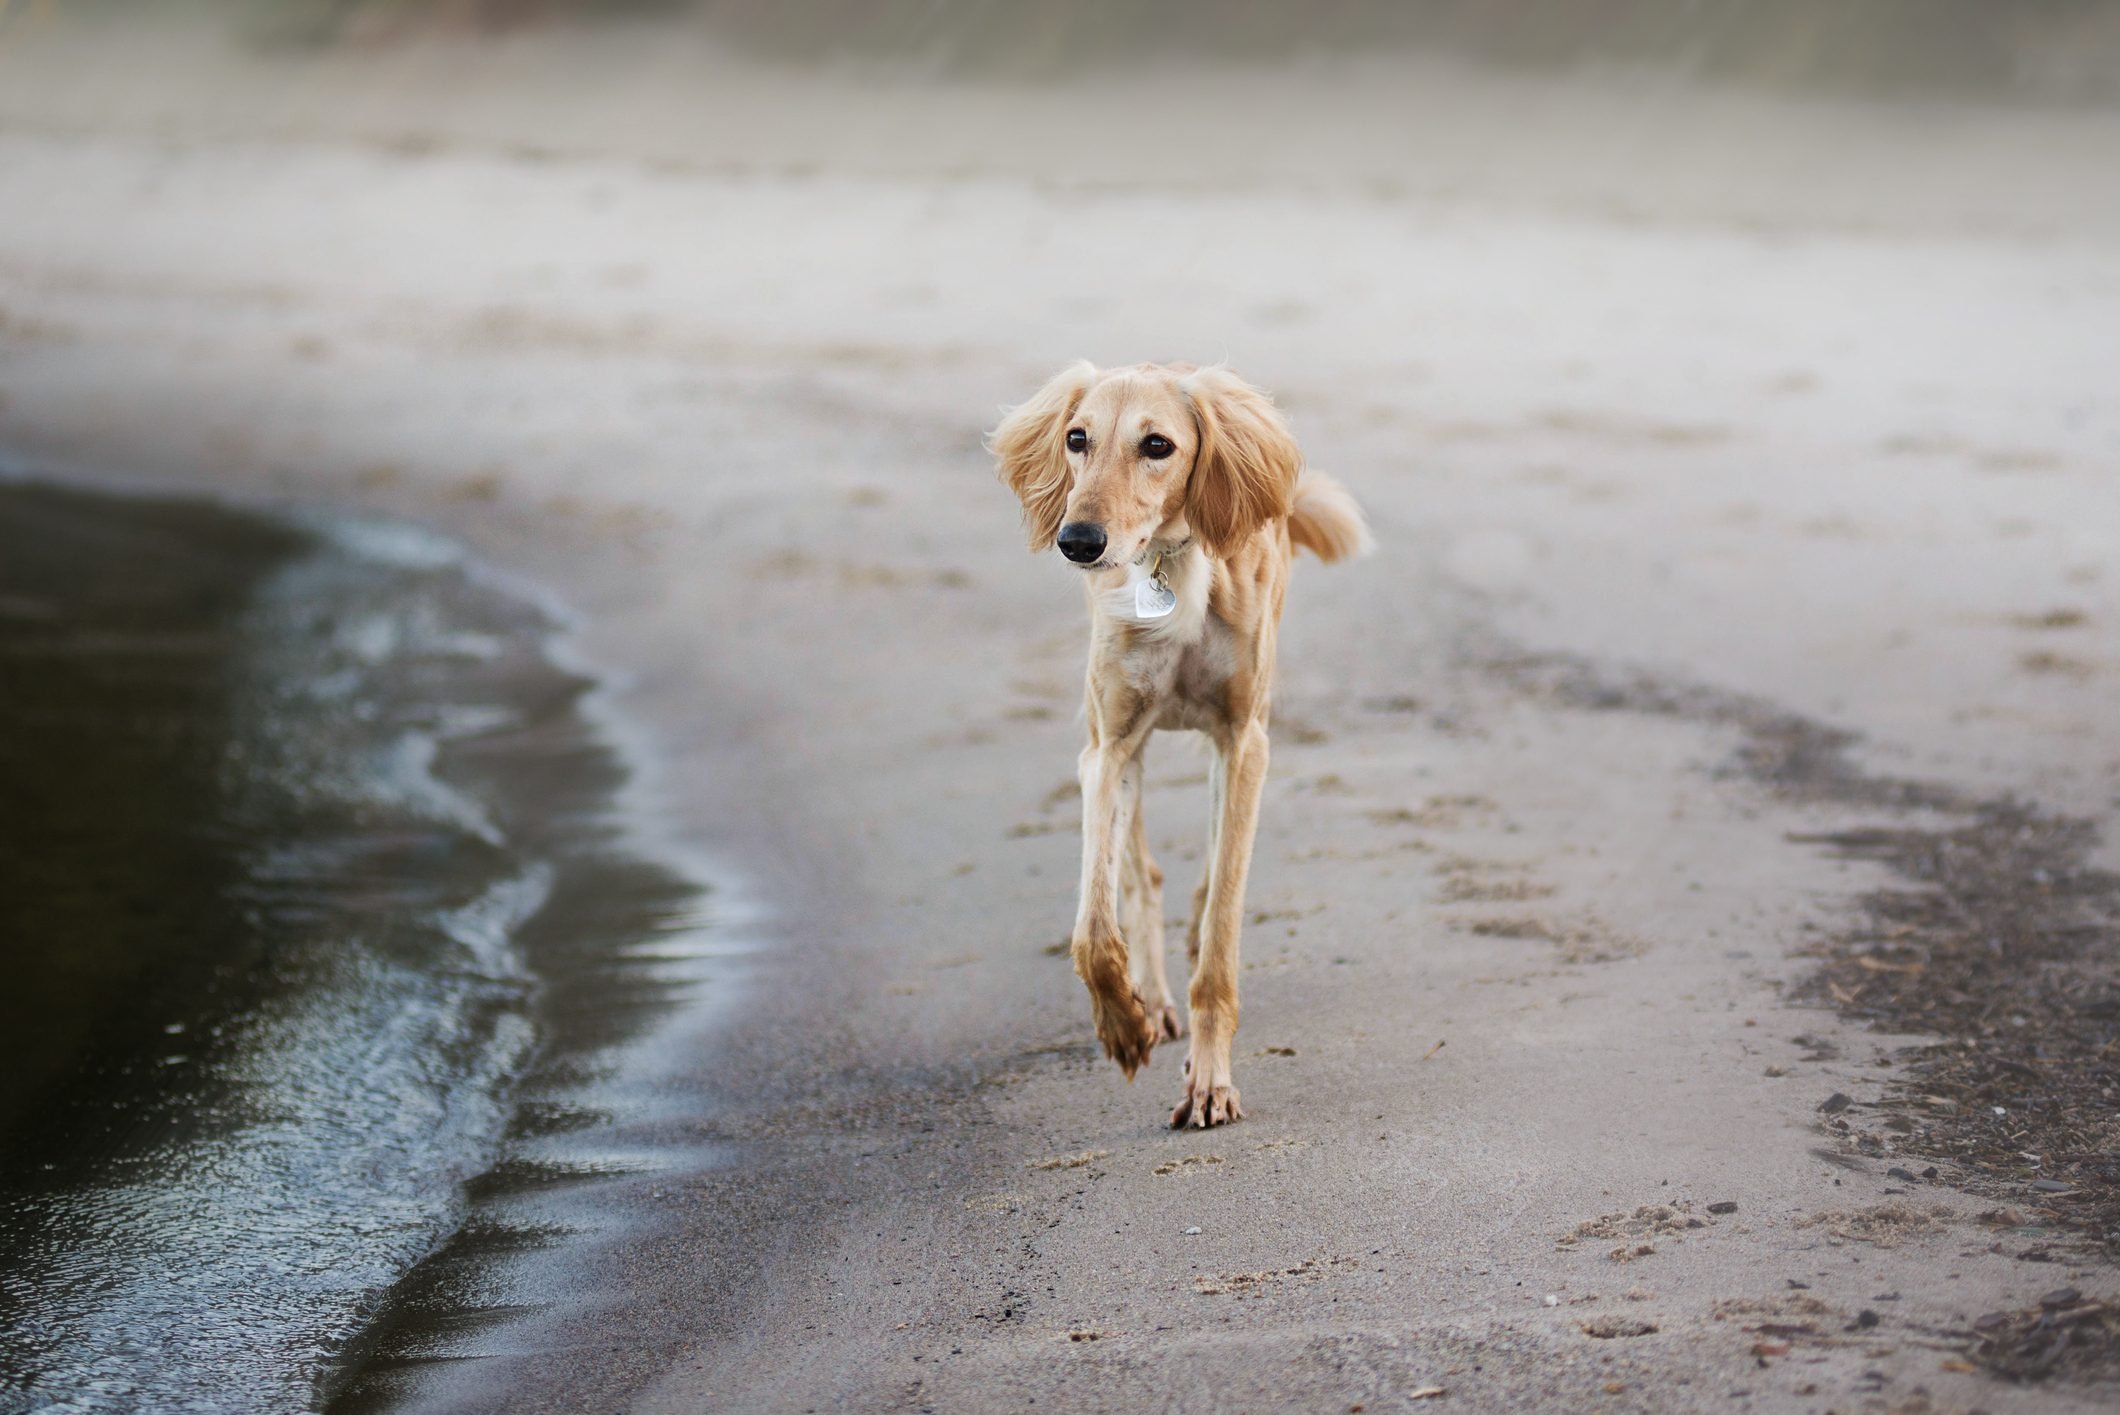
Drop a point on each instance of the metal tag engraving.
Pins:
(1153, 599)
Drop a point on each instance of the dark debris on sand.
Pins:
(2001, 939)
(1997, 934)
(2066, 1335)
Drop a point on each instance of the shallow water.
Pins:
(314, 916)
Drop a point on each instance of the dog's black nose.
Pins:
(1081, 542)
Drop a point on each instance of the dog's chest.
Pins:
(1189, 682)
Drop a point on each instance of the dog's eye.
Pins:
(1156, 447)
(1077, 440)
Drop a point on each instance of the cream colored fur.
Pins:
(1200, 465)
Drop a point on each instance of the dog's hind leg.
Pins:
(1215, 774)
(1210, 1093)
(1142, 919)
(1111, 782)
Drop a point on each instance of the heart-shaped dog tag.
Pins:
(1153, 599)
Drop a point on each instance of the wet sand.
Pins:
(1650, 432)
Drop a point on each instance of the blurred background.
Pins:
(2049, 49)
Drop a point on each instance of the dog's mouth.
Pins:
(1113, 559)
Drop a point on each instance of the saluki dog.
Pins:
(1182, 495)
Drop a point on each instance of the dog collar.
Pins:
(1169, 551)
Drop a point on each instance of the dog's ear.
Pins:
(1030, 450)
(1245, 473)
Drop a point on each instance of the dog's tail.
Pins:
(1326, 521)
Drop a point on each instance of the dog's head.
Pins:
(1107, 460)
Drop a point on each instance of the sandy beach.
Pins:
(1742, 470)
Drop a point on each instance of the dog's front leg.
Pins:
(1210, 1092)
(1109, 767)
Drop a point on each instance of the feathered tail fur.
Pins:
(1326, 520)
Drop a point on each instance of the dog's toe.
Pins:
(1131, 1054)
(1206, 1106)
(1129, 1034)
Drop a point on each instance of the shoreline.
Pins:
(637, 953)
(411, 1000)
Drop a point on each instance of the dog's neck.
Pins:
(1165, 549)
(1173, 562)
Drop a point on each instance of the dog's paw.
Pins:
(1209, 1100)
(1164, 1018)
(1126, 1029)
